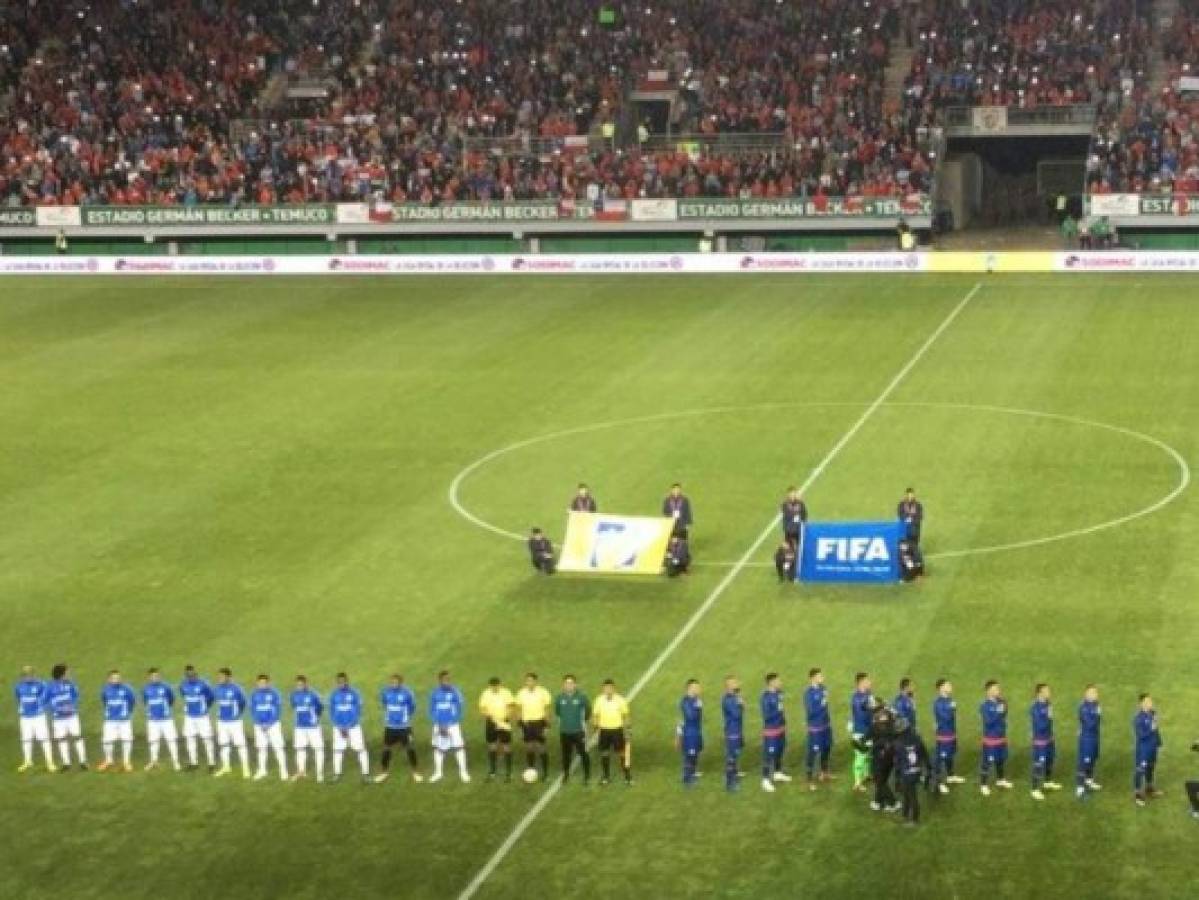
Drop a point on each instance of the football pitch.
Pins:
(291, 475)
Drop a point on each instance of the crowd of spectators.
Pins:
(127, 101)
(1150, 143)
(1026, 53)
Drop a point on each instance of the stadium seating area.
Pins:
(121, 101)
(1026, 53)
(1151, 143)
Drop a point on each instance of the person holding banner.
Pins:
(583, 501)
(793, 513)
(911, 516)
(784, 561)
(541, 552)
(676, 506)
(678, 557)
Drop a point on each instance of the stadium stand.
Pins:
(1149, 144)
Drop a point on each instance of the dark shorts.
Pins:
(947, 749)
(496, 735)
(819, 741)
(1044, 754)
(611, 739)
(393, 736)
(533, 732)
(733, 744)
(995, 754)
(692, 745)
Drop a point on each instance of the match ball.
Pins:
(529, 776)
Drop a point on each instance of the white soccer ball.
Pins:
(530, 776)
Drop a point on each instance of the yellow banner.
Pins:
(615, 545)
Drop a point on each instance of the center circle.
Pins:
(1179, 463)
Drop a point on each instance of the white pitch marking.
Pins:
(717, 592)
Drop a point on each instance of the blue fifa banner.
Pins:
(615, 545)
(850, 551)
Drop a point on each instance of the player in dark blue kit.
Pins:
(1090, 717)
(774, 733)
(993, 711)
(945, 714)
(905, 702)
(1148, 741)
(732, 708)
(691, 730)
(820, 728)
(1044, 747)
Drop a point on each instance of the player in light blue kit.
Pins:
(230, 702)
(197, 697)
(445, 709)
(159, 702)
(118, 700)
(345, 712)
(63, 701)
(266, 711)
(306, 707)
(30, 692)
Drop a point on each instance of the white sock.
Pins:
(108, 754)
(337, 757)
(364, 762)
(173, 749)
(81, 751)
(281, 756)
(461, 754)
(210, 751)
(49, 752)
(262, 759)
(64, 750)
(244, 756)
(126, 751)
(300, 756)
(27, 749)
(319, 757)
(191, 751)
(437, 759)
(225, 757)
(154, 753)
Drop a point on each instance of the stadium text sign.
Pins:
(799, 208)
(180, 216)
(20, 217)
(850, 551)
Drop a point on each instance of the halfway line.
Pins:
(717, 592)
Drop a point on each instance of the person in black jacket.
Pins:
(910, 513)
(793, 513)
(911, 768)
(583, 501)
(676, 506)
(1192, 788)
(541, 552)
(678, 557)
(784, 561)
(878, 741)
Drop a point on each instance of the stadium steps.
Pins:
(898, 67)
(1004, 238)
(1164, 12)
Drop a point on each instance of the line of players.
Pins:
(49, 710)
(49, 714)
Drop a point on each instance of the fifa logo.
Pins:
(852, 550)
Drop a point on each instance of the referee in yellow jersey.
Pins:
(611, 718)
(533, 704)
(496, 703)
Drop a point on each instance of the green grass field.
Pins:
(256, 473)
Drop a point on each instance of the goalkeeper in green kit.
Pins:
(861, 706)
